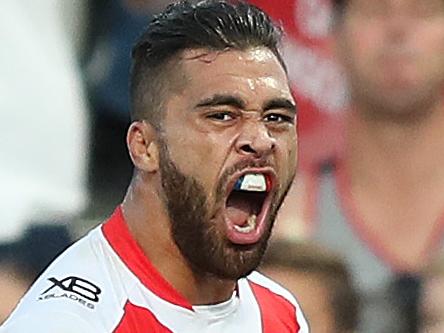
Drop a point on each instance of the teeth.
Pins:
(252, 182)
(252, 220)
(251, 224)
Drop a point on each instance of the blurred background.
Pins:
(64, 103)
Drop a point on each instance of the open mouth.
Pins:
(247, 206)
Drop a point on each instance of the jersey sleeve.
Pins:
(55, 322)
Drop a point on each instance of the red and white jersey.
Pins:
(104, 283)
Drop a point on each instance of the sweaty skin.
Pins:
(235, 108)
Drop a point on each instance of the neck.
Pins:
(401, 154)
(149, 224)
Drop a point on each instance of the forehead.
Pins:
(257, 69)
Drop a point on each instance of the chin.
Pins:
(238, 261)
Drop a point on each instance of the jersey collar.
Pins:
(119, 237)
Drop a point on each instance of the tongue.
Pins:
(238, 210)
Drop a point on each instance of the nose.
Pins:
(255, 140)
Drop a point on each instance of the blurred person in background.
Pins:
(380, 201)
(214, 145)
(114, 26)
(13, 285)
(431, 300)
(22, 261)
(316, 78)
(43, 127)
(321, 281)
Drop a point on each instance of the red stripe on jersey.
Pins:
(119, 237)
(277, 313)
(139, 320)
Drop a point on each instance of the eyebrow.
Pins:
(220, 99)
(237, 102)
(280, 103)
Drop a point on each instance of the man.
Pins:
(431, 298)
(23, 260)
(381, 204)
(320, 279)
(213, 142)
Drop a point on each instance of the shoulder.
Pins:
(273, 298)
(271, 289)
(84, 282)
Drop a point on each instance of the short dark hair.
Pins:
(309, 257)
(209, 24)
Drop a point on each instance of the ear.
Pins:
(142, 146)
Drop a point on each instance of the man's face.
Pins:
(228, 157)
(392, 51)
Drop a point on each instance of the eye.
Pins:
(221, 116)
(278, 118)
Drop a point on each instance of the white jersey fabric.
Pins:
(104, 283)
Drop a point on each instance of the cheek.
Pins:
(200, 155)
(292, 156)
(288, 155)
(214, 154)
(430, 42)
(193, 156)
(189, 148)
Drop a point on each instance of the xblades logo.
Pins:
(78, 286)
(71, 287)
